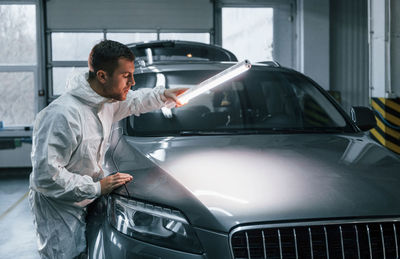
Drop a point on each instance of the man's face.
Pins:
(118, 84)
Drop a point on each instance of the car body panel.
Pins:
(219, 182)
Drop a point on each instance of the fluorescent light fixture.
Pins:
(212, 82)
(149, 55)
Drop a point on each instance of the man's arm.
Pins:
(146, 100)
(56, 136)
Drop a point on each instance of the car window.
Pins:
(178, 51)
(258, 100)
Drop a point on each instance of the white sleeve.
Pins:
(139, 101)
(55, 137)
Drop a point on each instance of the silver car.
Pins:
(266, 165)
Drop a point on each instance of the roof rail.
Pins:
(270, 63)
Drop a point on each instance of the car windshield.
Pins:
(259, 101)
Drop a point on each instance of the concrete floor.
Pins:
(17, 238)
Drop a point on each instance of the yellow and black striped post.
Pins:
(387, 130)
(314, 114)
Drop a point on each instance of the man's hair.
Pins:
(105, 55)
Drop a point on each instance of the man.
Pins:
(69, 142)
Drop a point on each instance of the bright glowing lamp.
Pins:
(212, 82)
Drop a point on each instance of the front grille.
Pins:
(372, 240)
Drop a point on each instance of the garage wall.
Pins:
(314, 42)
(284, 34)
(349, 51)
(129, 14)
(395, 47)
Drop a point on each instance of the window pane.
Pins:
(60, 76)
(252, 37)
(73, 46)
(258, 99)
(17, 95)
(199, 37)
(18, 35)
(127, 38)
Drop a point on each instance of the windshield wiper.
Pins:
(204, 133)
(311, 130)
(285, 130)
(226, 132)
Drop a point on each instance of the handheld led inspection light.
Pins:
(212, 82)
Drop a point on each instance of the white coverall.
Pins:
(69, 142)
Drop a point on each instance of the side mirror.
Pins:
(363, 117)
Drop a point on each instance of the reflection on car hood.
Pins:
(223, 181)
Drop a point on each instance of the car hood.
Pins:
(223, 181)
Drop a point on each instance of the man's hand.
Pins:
(172, 95)
(114, 181)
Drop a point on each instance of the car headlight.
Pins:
(152, 224)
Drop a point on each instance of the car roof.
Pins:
(201, 65)
(176, 50)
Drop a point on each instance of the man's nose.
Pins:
(132, 81)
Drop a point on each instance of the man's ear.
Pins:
(102, 76)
